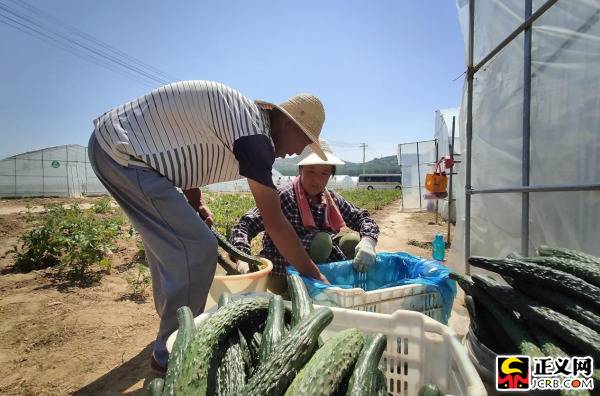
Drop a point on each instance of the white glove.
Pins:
(364, 254)
(242, 266)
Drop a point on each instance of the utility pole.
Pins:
(363, 146)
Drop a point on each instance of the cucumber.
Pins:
(185, 318)
(204, 352)
(228, 266)
(295, 349)
(224, 299)
(543, 276)
(274, 328)
(301, 303)
(327, 367)
(254, 263)
(155, 387)
(589, 272)
(430, 390)
(572, 307)
(364, 380)
(568, 254)
(232, 372)
(563, 327)
(519, 335)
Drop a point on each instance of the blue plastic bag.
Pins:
(389, 270)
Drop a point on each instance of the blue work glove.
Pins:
(364, 254)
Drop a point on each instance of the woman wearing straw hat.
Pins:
(317, 215)
(186, 135)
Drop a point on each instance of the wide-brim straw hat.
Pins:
(310, 158)
(307, 112)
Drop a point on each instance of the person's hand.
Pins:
(206, 214)
(364, 254)
(242, 266)
(323, 279)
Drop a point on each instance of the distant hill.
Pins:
(289, 167)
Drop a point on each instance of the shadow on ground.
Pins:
(121, 379)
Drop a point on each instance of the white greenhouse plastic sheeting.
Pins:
(61, 171)
(443, 134)
(416, 160)
(565, 122)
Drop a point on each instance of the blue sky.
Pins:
(381, 67)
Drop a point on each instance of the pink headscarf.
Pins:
(333, 218)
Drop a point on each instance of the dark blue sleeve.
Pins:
(256, 156)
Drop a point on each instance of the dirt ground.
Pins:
(59, 339)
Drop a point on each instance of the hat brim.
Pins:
(315, 146)
(313, 159)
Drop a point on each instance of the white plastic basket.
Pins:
(419, 350)
(417, 297)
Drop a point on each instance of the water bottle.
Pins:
(438, 247)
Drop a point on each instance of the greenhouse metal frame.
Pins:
(526, 188)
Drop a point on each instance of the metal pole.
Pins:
(470, 74)
(419, 176)
(450, 200)
(526, 132)
(43, 176)
(401, 172)
(15, 175)
(437, 154)
(556, 188)
(67, 170)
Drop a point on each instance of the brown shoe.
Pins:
(154, 365)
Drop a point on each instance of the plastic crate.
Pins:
(417, 297)
(419, 350)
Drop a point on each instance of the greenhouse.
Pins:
(61, 171)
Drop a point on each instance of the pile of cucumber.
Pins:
(550, 307)
(256, 346)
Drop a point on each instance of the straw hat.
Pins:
(307, 112)
(310, 158)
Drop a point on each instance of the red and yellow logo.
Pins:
(512, 373)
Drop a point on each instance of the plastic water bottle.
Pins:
(438, 247)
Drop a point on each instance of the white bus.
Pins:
(380, 181)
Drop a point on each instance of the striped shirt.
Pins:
(251, 224)
(192, 132)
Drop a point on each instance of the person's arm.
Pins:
(247, 227)
(194, 198)
(281, 231)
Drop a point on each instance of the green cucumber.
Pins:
(274, 328)
(430, 390)
(200, 362)
(295, 349)
(155, 387)
(568, 254)
(589, 272)
(301, 303)
(254, 263)
(519, 335)
(540, 275)
(229, 267)
(563, 327)
(232, 372)
(572, 307)
(185, 318)
(363, 380)
(327, 367)
(224, 299)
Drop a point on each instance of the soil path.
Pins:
(59, 339)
